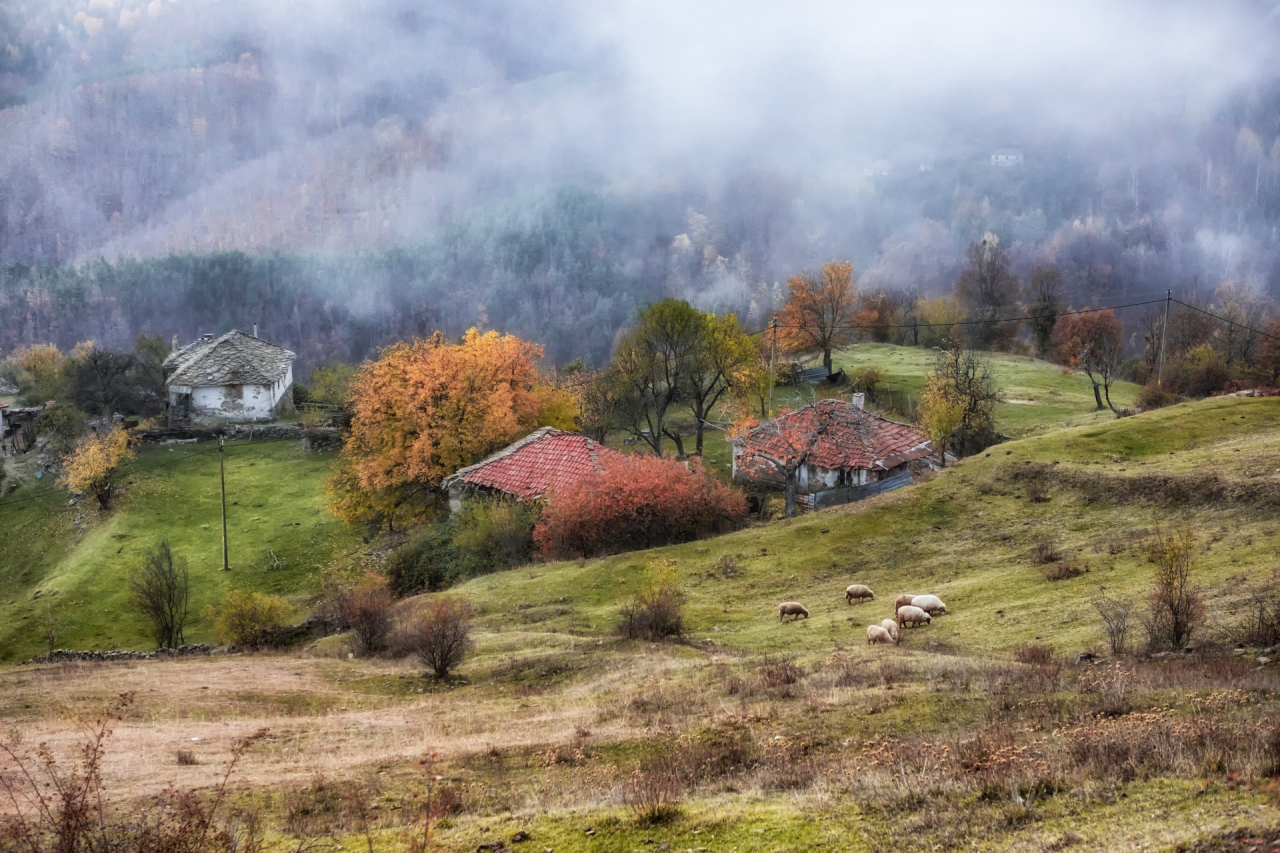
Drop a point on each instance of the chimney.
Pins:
(255, 330)
(859, 400)
(174, 346)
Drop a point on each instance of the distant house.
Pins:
(236, 377)
(529, 468)
(851, 453)
(1007, 157)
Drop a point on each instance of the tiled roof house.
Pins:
(531, 467)
(859, 454)
(236, 377)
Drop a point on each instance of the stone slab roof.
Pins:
(233, 359)
(853, 439)
(534, 465)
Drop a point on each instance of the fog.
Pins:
(721, 146)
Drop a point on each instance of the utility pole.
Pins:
(773, 355)
(1164, 335)
(222, 476)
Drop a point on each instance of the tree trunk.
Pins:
(1097, 395)
(1106, 389)
(679, 443)
(826, 360)
(698, 434)
(792, 484)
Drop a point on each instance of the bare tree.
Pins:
(159, 589)
(1115, 621)
(440, 634)
(1176, 609)
(988, 292)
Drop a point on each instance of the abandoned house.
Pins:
(236, 377)
(848, 453)
(529, 468)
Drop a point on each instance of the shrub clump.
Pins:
(1176, 610)
(365, 610)
(635, 503)
(483, 536)
(657, 611)
(1153, 396)
(439, 633)
(249, 619)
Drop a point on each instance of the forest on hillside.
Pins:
(347, 176)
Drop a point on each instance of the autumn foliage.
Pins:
(820, 314)
(427, 408)
(91, 467)
(636, 502)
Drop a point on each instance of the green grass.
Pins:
(1039, 395)
(967, 536)
(281, 536)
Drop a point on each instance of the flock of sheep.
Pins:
(909, 609)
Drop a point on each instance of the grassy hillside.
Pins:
(280, 534)
(968, 536)
(1039, 396)
(765, 736)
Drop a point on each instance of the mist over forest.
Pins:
(351, 173)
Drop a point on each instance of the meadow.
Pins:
(981, 730)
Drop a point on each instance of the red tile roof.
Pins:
(540, 461)
(853, 438)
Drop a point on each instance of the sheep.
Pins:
(792, 608)
(858, 591)
(876, 635)
(890, 626)
(913, 615)
(929, 604)
(903, 600)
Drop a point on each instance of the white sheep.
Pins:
(892, 627)
(876, 635)
(913, 615)
(792, 608)
(858, 591)
(929, 604)
(903, 600)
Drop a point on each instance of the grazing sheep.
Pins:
(902, 600)
(792, 608)
(929, 603)
(877, 635)
(913, 615)
(890, 626)
(858, 591)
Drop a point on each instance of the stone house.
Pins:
(236, 377)
(529, 468)
(848, 453)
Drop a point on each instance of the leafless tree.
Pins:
(160, 590)
(440, 634)
(1115, 621)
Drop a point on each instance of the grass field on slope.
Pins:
(968, 536)
(280, 534)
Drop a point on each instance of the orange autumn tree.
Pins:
(820, 314)
(424, 409)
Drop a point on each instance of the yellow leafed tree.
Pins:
(427, 408)
(940, 413)
(91, 467)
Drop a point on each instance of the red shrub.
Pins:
(637, 502)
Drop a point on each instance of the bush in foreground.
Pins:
(636, 503)
(657, 611)
(249, 618)
(439, 633)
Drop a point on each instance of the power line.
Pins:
(991, 321)
(1228, 321)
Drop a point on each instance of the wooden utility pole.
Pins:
(1164, 336)
(222, 476)
(773, 355)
